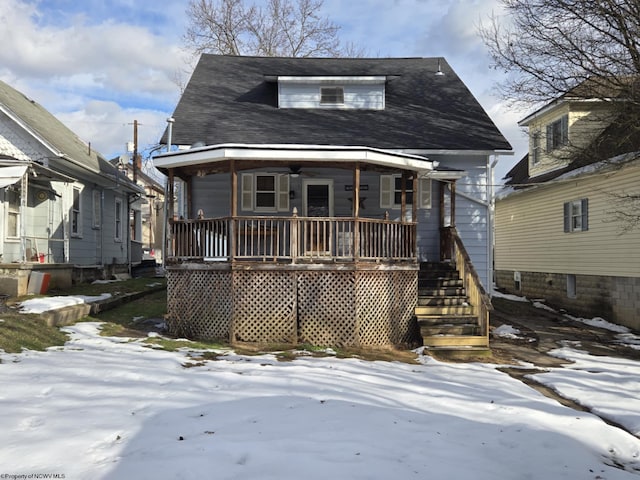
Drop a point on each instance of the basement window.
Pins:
(572, 291)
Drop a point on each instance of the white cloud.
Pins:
(96, 78)
(123, 56)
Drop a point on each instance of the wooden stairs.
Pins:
(450, 323)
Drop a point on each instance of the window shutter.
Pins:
(549, 138)
(567, 217)
(564, 124)
(424, 189)
(246, 192)
(282, 201)
(386, 191)
(585, 214)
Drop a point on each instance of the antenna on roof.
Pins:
(439, 73)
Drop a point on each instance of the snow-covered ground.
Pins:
(113, 408)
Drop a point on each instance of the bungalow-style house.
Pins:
(329, 201)
(561, 233)
(64, 209)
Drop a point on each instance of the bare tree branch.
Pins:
(286, 28)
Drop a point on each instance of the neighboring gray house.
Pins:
(65, 210)
(273, 152)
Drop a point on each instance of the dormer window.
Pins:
(358, 92)
(331, 95)
(558, 133)
(536, 149)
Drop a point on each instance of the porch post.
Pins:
(190, 197)
(444, 242)
(356, 211)
(414, 213)
(446, 231)
(403, 196)
(453, 203)
(171, 193)
(234, 209)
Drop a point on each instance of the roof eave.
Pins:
(294, 153)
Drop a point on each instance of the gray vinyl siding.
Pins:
(308, 96)
(472, 212)
(211, 194)
(99, 245)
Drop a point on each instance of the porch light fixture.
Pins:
(294, 170)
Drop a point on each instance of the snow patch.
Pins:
(45, 304)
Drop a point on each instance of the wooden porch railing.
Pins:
(291, 239)
(478, 297)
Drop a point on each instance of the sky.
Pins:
(114, 407)
(98, 65)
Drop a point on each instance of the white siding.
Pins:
(585, 121)
(530, 232)
(369, 97)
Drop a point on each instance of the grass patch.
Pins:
(26, 331)
(125, 286)
(287, 353)
(132, 314)
(172, 345)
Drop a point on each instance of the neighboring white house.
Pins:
(64, 209)
(560, 228)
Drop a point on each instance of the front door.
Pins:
(318, 202)
(318, 198)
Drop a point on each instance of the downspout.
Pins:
(491, 224)
(24, 190)
(102, 229)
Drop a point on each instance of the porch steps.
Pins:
(448, 323)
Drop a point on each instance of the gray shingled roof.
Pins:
(231, 100)
(48, 127)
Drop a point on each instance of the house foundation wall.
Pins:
(334, 306)
(14, 278)
(616, 299)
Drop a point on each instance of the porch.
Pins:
(323, 281)
(322, 278)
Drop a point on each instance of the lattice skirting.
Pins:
(322, 307)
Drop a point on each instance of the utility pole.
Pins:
(135, 151)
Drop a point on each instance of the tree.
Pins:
(584, 49)
(549, 47)
(291, 28)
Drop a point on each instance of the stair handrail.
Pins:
(475, 291)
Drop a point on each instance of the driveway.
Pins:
(538, 331)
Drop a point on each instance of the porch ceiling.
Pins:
(218, 156)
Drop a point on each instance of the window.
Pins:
(558, 133)
(97, 221)
(265, 192)
(134, 216)
(572, 291)
(536, 149)
(331, 95)
(12, 196)
(118, 220)
(76, 213)
(576, 215)
(391, 192)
